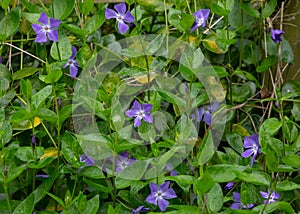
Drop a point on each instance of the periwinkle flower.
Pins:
(205, 113)
(252, 147)
(140, 209)
(276, 35)
(160, 194)
(237, 205)
(229, 185)
(124, 161)
(42, 176)
(122, 16)
(201, 17)
(88, 160)
(140, 111)
(33, 141)
(271, 197)
(170, 169)
(72, 63)
(1, 60)
(46, 28)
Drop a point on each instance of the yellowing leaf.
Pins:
(36, 122)
(24, 125)
(50, 152)
(143, 79)
(240, 130)
(211, 44)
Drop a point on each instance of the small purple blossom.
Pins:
(124, 161)
(46, 28)
(42, 176)
(140, 209)
(72, 63)
(159, 194)
(170, 169)
(276, 35)
(88, 160)
(252, 147)
(271, 197)
(123, 18)
(140, 112)
(33, 141)
(201, 17)
(205, 113)
(1, 60)
(237, 205)
(229, 186)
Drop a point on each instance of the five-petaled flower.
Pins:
(237, 205)
(276, 35)
(73, 63)
(159, 195)
(123, 18)
(201, 17)
(88, 160)
(205, 113)
(252, 147)
(271, 197)
(46, 28)
(140, 209)
(123, 161)
(140, 111)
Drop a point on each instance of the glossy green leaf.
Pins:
(269, 8)
(86, 6)
(5, 132)
(292, 160)
(204, 184)
(217, 9)
(26, 206)
(287, 186)
(249, 9)
(25, 72)
(61, 9)
(207, 149)
(62, 49)
(10, 23)
(267, 63)
(215, 198)
(95, 22)
(40, 97)
(258, 178)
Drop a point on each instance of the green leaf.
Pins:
(74, 29)
(70, 148)
(296, 111)
(5, 133)
(174, 18)
(48, 115)
(15, 172)
(269, 8)
(204, 183)
(64, 46)
(215, 8)
(186, 21)
(26, 206)
(57, 199)
(97, 186)
(258, 178)
(292, 160)
(40, 97)
(93, 205)
(267, 63)
(242, 93)
(269, 128)
(26, 89)
(215, 199)
(207, 149)
(287, 186)
(10, 23)
(235, 141)
(61, 9)
(155, 44)
(25, 153)
(25, 72)
(86, 6)
(271, 159)
(95, 22)
(4, 4)
(53, 77)
(184, 181)
(281, 205)
(224, 172)
(135, 171)
(248, 8)
(42, 163)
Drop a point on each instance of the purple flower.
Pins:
(276, 35)
(33, 141)
(140, 112)
(124, 161)
(252, 146)
(1, 60)
(229, 185)
(270, 197)
(159, 195)
(237, 205)
(201, 16)
(140, 209)
(42, 176)
(88, 160)
(121, 16)
(205, 113)
(170, 169)
(46, 29)
(73, 63)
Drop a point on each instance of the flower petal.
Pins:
(194, 27)
(236, 197)
(162, 204)
(74, 52)
(152, 199)
(122, 27)
(129, 18)
(137, 122)
(253, 159)
(264, 194)
(54, 23)
(131, 113)
(90, 161)
(37, 28)
(164, 187)
(53, 35)
(236, 206)
(207, 118)
(120, 8)
(136, 105)
(247, 153)
(66, 65)
(110, 14)
(41, 37)
(73, 71)
(146, 107)
(170, 193)
(43, 19)
(153, 187)
(148, 118)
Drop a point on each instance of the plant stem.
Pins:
(7, 194)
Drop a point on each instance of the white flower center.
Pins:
(159, 194)
(141, 114)
(120, 18)
(200, 21)
(46, 28)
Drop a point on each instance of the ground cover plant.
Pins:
(170, 106)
